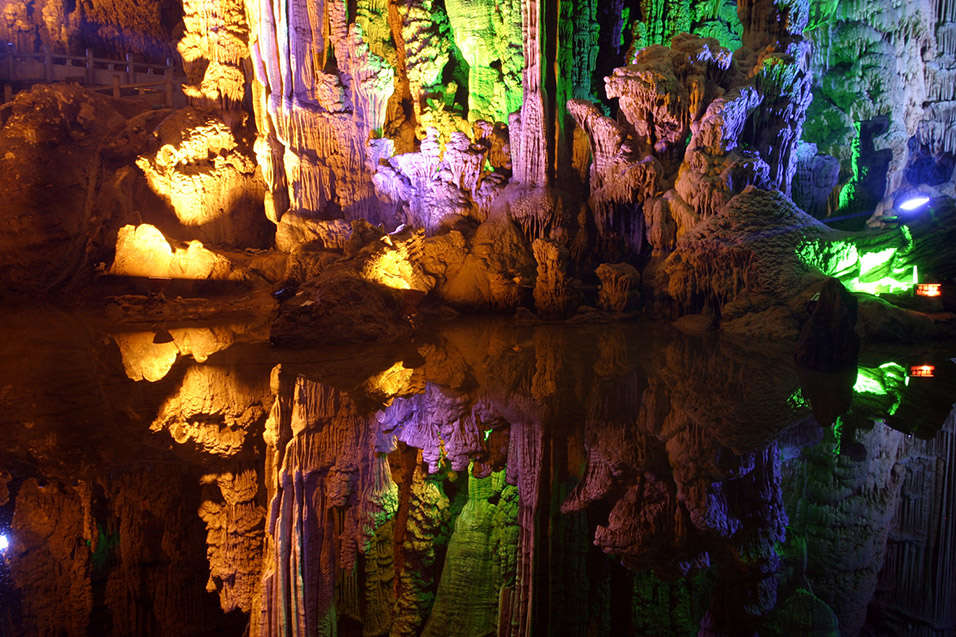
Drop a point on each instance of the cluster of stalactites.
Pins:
(213, 49)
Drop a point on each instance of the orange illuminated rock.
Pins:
(143, 251)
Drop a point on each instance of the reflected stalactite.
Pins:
(331, 494)
(490, 478)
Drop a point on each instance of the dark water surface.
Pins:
(487, 478)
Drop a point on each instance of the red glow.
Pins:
(929, 289)
(922, 371)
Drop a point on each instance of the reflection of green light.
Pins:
(868, 383)
(625, 21)
(885, 380)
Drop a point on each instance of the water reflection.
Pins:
(486, 478)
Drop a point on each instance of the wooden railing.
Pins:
(116, 76)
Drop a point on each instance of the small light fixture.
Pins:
(922, 371)
(929, 289)
(913, 203)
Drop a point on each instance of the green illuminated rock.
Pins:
(658, 21)
(467, 598)
(489, 37)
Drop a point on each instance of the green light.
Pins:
(867, 382)
(838, 434)
(909, 238)
(796, 399)
(885, 380)
(487, 435)
(849, 189)
(625, 20)
(875, 272)
(874, 260)
(880, 286)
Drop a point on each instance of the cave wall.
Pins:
(618, 132)
(147, 30)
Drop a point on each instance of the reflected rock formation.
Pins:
(485, 451)
(488, 478)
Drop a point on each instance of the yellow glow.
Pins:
(393, 381)
(390, 269)
(142, 358)
(143, 251)
(202, 174)
(392, 265)
(210, 410)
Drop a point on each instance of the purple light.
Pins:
(913, 203)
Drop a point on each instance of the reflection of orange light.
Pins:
(922, 371)
(929, 289)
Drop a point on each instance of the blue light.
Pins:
(4, 542)
(913, 203)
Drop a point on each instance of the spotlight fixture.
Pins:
(911, 204)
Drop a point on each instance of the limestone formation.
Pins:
(556, 294)
(620, 287)
(110, 29)
(59, 145)
(143, 251)
(828, 341)
(752, 261)
(213, 412)
(215, 53)
(208, 179)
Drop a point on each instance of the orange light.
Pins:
(922, 371)
(929, 289)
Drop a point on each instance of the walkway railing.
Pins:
(119, 77)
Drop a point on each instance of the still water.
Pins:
(486, 478)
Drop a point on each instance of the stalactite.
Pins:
(529, 135)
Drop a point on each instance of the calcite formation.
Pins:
(556, 294)
(620, 286)
(616, 132)
(209, 180)
(214, 51)
(111, 29)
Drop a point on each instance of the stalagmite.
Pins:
(620, 286)
(556, 295)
